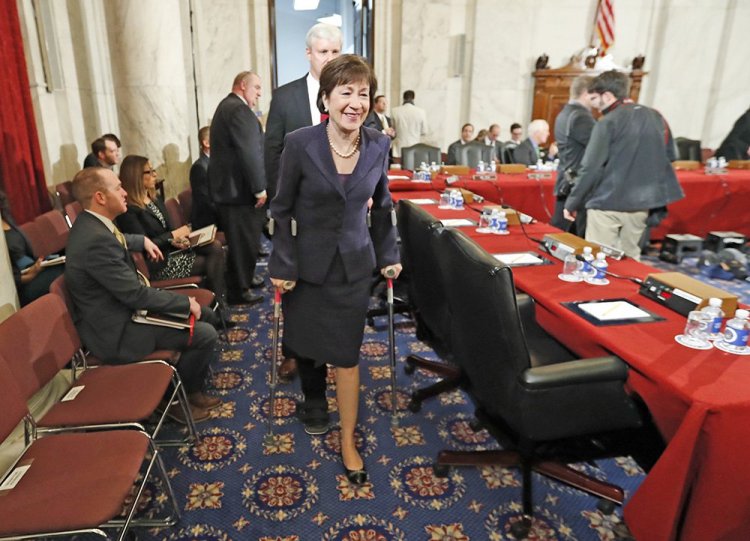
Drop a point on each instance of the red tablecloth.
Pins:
(699, 489)
(711, 202)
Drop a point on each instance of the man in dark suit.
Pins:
(106, 290)
(736, 145)
(293, 105)
(467, 134)
(378, 120)
(105, 152)
(530, 151)
(203, 212)
(573, 128)
(237, 183)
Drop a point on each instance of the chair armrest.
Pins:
(189, 281)
(597, 369)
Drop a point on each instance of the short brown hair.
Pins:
(345, 69)
(86, 183)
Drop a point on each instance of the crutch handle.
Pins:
(390, 272)
(277, 295)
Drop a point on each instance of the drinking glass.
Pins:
(445, 200)
(571, 267)
(484, 223)
(697, 330)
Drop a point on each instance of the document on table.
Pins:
(456, 222)
(519, 259)
(423, 201)
(398, 177)
(613, 310)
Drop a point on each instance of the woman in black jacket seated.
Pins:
(148, 216)
(32, 280)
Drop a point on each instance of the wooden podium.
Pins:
(552, 86)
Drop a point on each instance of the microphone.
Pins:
(633, 279)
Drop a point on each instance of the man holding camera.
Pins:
(573, 128)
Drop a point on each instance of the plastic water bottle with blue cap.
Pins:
(736, 334)
(500, 224)
(599, 266)
(717, 317)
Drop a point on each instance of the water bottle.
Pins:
(736, 333)
(457, 200)
(500, 224)
(480, 167)
(493, 166)
(588, 257)
(717, 315)
(599, 266)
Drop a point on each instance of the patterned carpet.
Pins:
(231, 487)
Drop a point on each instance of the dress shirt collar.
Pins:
(240, 96)
(313, 86)
(106, 221)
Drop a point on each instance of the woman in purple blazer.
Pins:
(322, 243)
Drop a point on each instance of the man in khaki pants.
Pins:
(626, 169)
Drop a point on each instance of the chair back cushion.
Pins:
(72, 210)
(175, 212)
(486, 335)
(38, 341)
(185, 197)
(419, 232)
(472, 153)
(12, 404)
(53, 230)
(412, 156)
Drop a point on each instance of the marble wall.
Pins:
(153, 72)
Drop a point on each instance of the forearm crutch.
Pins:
(390, 273)
(269, 438)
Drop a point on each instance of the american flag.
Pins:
(605, 25)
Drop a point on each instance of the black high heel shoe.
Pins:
(356, 477)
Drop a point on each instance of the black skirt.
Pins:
(326, 322)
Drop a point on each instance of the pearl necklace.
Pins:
(355, 148)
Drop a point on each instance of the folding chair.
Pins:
(75, 483)
(40, 339)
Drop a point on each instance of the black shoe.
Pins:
(257, 282)
(356, 477)
(315, 418)
(246, 297)
(263, 253)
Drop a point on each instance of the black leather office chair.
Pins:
(516, 401)
(412, 156)
(419, 232)
(472, 153)
(688, 149)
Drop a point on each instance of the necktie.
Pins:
(120, 238)
(384, 121)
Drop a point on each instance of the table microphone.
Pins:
(633, 279)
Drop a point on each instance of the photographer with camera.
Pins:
(572, 132)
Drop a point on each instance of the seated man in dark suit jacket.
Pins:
(467, 134)
(204, 210)
(530, 151)
(106, 289)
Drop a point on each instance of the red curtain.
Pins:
(21, 171)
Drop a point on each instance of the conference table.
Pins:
(711, 203)
(699, 489)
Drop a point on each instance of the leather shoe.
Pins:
(356, 477)
(288, 369)
(263, 253)
(202, 400)
(257, 282)
(315, 418)
(176, 414)
(246, 297)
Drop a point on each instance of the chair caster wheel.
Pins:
(409, 368)
(520, 529)
(414, 406)
(605, 506)
(441, 470)
(370, 322)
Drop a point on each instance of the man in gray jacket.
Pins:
(626, 170)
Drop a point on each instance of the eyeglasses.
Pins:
(150, 172)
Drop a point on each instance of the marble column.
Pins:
(152, 72)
